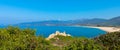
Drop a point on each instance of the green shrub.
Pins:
(83, 44)
(14, 38)
(110, 41)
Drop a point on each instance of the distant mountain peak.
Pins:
(116, 18)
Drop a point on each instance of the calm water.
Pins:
(74, 31)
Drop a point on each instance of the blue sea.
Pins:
(72, 30)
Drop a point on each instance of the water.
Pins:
(74, 31)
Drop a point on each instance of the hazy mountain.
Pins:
(114, 21)
(47, 23)
(96, 21)
(92, 21)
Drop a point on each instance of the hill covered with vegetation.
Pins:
(14, 38)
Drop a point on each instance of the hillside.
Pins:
(95, 21)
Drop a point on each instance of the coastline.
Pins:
(107, 29)
(104, 28)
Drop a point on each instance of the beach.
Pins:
(107, 29)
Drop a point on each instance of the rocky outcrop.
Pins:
(57, 33)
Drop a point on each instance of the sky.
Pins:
(19, 11)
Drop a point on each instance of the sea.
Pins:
(74, 31)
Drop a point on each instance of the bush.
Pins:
(83, 44)
(14, 38)
(110, 41)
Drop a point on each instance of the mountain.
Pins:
(114, 21)
(95, 21)
(47, 23)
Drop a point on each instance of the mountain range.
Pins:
(94, 22)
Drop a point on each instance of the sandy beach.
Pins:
(107, 29)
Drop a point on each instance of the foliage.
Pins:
(61, 40)
(110, 41)
(83, 44)
(13, 38)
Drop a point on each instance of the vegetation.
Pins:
(14, 38)
(110, 41)
(83, 44)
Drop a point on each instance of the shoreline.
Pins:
(107, 29)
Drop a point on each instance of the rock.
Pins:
(57, 33)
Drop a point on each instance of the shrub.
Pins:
(110, 41)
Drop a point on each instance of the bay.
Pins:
(72, 30)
